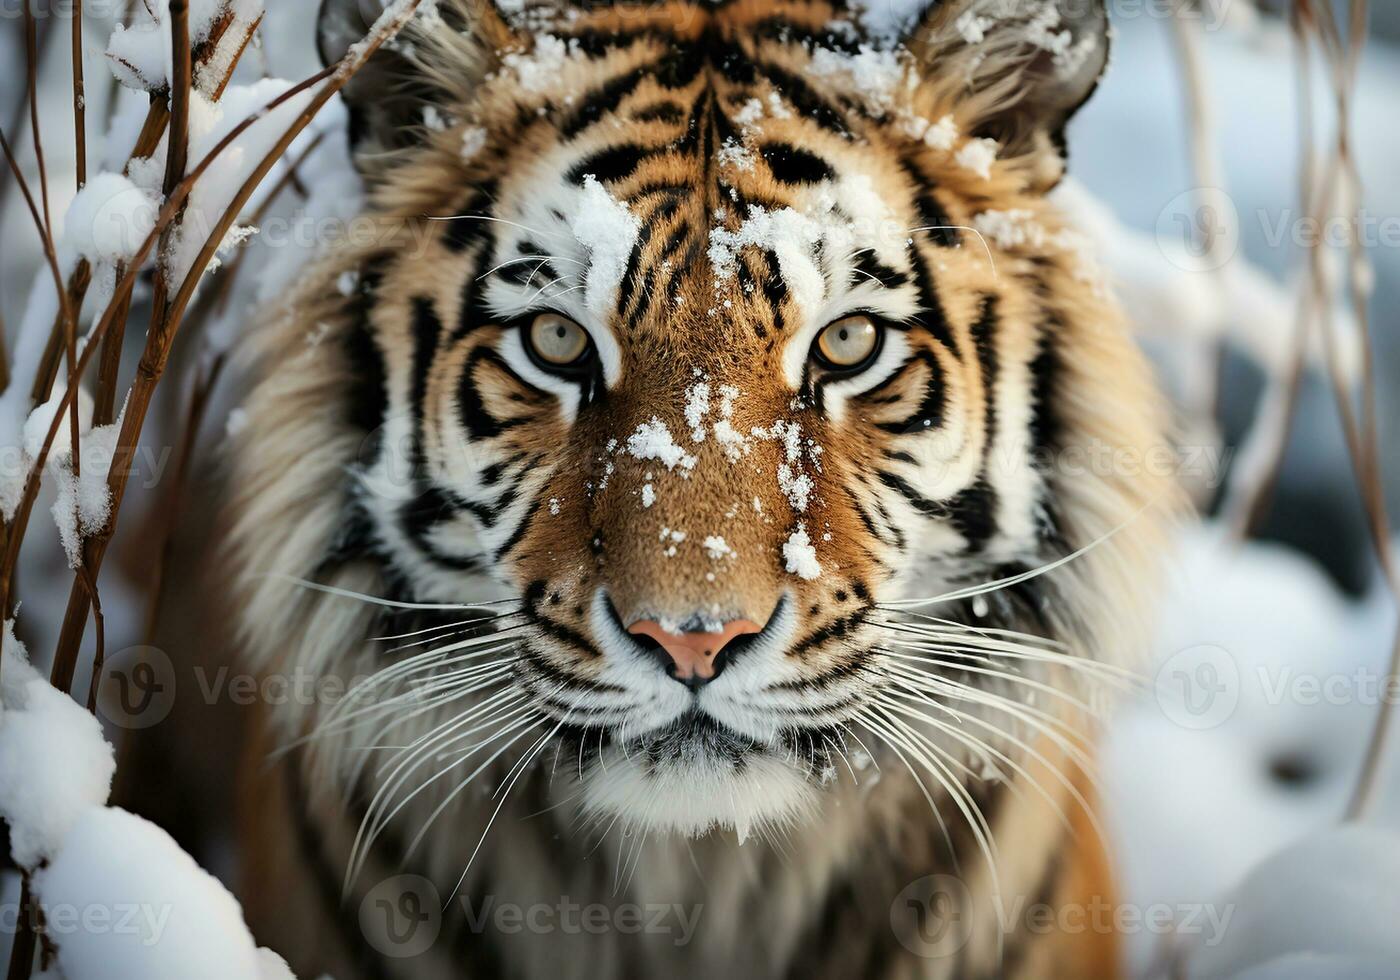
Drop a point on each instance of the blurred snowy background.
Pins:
(1268, 669)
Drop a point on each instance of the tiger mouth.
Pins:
(695, 738)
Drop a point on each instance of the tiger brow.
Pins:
(528, 258)
(488, 217)
(981, 239)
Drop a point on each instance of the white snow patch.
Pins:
(607, 229)
(652, 440)
(978, 155)
(875, 74)
(793, 236)
(799, 555)
(942, 134)
(109, 219)
(973, 26)
(140, 53)
(539, 70)
(36, 426)
(716, 547)
(734, 443)
(736, 155)
(184, 922)
(796, 486)
(236, 423)
(433, 119)
(54, 763)
(84, 501)
(697, 406)
(1330, 898)
(473, 142)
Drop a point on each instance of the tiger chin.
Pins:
(693, 484)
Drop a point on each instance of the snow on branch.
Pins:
(170, 920)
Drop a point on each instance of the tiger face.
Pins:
(726, 331)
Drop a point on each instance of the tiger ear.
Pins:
(1019, 69)
(436, 61)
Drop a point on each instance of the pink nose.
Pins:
(695, 656)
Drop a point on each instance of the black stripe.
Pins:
(368, 400)
(933, 217)
(612, 163)
(929, 415)
(602, 100)
(667, 112)
(1045, 371)
(420, 515)
(649, 223)
(805, 100)
(471, 409)
(866, 262)
(791, 165)
(775, 293)
(925, 506)
(465, 228)
(682, 62)
(974, 508)
(520, 530)
(931, 316)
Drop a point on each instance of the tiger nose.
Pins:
(694, 658)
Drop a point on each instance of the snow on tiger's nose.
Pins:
(669, 458)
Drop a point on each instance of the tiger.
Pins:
(696, 490)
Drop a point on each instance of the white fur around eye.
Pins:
(892, 354)
(513, 350)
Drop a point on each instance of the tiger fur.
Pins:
(701, 188)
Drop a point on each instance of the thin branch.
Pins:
(179, 143)
(158, 342)
(46, 241)
(79, 99)
(31, 55)
(122, 295)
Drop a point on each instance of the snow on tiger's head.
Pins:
(701, 333)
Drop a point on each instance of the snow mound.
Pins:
(1326, 907)
(169, 919)
(54, 763)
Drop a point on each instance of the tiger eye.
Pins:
(557, 340)
(848, 342)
